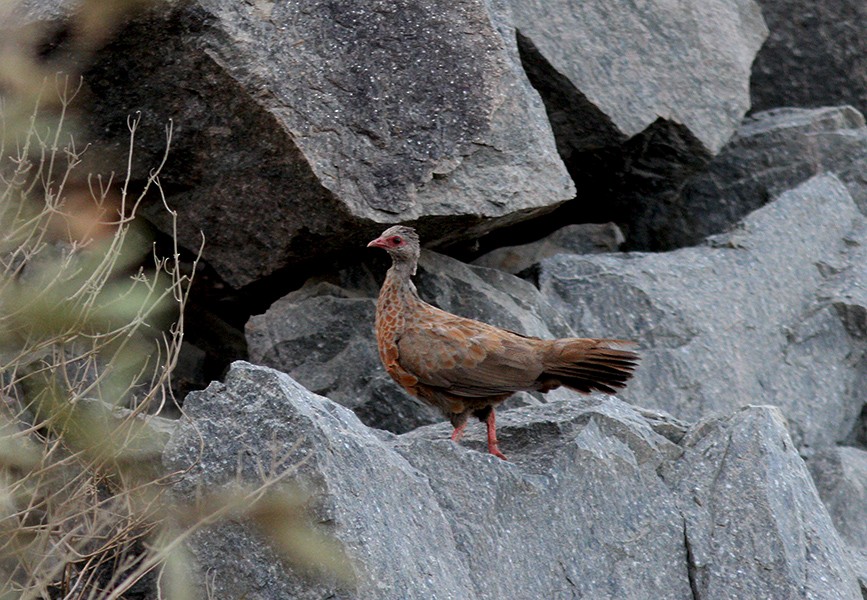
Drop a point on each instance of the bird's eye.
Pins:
(396, 240)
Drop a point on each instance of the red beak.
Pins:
(378, 243)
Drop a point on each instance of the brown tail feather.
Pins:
(589, 364)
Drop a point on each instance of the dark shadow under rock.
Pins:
(772, 152)
(583, 238)
(632, 181)
(636, 112)
(815, 55)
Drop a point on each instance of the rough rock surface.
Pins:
(774, 151)
(583, 238)
(655, 91)
(840, 474)
(585, 470)
(322, 335)
(815, 55)
(769, 313)
(301, 125)
(581, 511)
(373, 499)
(687, 62)
(754, 525)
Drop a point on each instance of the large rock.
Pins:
(815, 55)
(376, 503)
(300, 127)
(774, 151)
(635, 64)
(323, 336)
(840, 474)
(755, 527)
(640, 96)
(759, 315)
(580, 511)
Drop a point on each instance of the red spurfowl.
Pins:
(467, 367)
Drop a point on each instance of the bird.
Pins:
(466, 367)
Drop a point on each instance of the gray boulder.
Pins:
(815, 55)
(300, 128)
(638, 63)
(594, 503)
(840, 474)
(579, 512)
(774, 151)
(374, 502)
(323, 336)
(582, 238)
(756, 316)
(640, 97)
(755, 527)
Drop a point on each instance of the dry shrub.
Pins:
(91, 323)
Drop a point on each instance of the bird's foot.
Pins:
(492, 448)
(493, 444)
(458, 433)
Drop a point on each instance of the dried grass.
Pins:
(91, 324)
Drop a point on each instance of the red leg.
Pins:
(492, 437)
(459, 432)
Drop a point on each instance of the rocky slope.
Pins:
(600, 499)
(734, 252)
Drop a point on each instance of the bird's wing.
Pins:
(466, 357)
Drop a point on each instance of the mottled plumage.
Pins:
(466, 367)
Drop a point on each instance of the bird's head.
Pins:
(402, 244)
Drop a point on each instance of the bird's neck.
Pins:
(397, 298)
(399, 281)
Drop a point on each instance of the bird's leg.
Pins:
(459, 422)
(492, 436)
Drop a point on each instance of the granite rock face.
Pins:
(688, 63)
(595, 501)
(655, 92)
(302, 126)
(815, 55)
(771, 312)
(772, 152)
(323, 336)
(840, 474)
(364, 490)
(754, 526)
